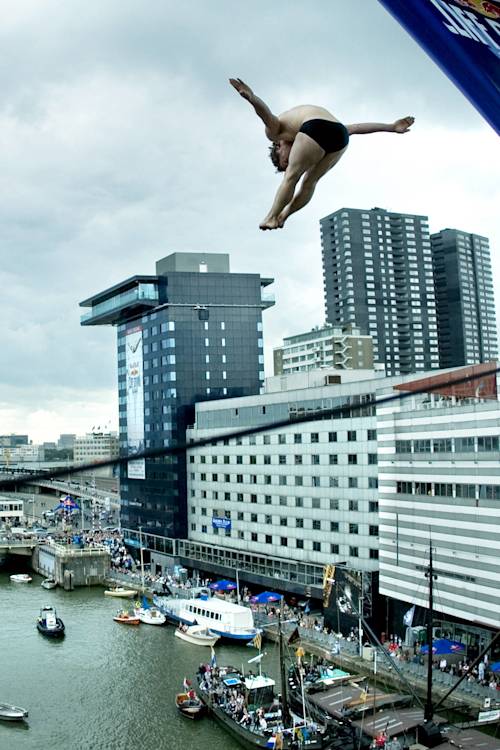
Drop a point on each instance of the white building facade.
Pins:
(439, 484)
(304, 493)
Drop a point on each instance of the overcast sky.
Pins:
(121, 142)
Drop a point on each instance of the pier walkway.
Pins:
(344, 654)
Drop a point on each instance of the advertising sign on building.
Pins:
(221, 523)
(463, 38)
(135, 402)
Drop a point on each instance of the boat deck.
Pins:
(471, 739)
(394, 722)
(341, 699)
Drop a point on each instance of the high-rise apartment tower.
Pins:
(378, 275)
(464, 297)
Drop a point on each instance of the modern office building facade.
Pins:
(191, 332)
(378, 275)
(439, 485)
(465, 300)
(343, 347)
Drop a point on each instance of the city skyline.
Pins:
(83, 190)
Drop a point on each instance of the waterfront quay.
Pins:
(69, 564)
(378, 668)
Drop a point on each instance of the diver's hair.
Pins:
(274, 156)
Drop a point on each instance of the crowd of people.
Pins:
(481, 674)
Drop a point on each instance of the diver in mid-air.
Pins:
(307, 142)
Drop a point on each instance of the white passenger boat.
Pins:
(228, 620)
(21, 578)
(198, 635)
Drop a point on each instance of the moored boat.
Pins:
(265, 721)
(198, 635)
(21, 578)
(226, 619)
(49, 583)
(49, 624)
(149, 615)
(120, 591)
(189, 705)
(12, 713)
(126, 618)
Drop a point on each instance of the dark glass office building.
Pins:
(465, 299)
(190, 333)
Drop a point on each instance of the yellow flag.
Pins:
(300, 652)
(257, 641)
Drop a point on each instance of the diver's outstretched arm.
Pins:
(362, 128)
(270, 121)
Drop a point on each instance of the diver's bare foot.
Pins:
(403, 125)
(269, 223)
(282, 218)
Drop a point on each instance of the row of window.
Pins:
(297, 438)
(204, 612)
(440, 489)
(283, 480)
(330, 503)
(481, 444)
(315, 524)
(297, 459)
(283, 541)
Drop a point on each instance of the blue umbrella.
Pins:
(443, 646)
(222, 586)
(495, 667)
(266, 597)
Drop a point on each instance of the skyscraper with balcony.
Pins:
(378, 275)
(190, 333)
(464, 297)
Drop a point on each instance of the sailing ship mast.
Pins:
(285, 710)
(428, 709)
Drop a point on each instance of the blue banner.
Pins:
(221, 523)
(463, 38)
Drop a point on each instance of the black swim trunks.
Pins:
(330, 136)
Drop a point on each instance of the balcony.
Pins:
(121, 305)
(267, 299)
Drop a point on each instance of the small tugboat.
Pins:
(126, 618)
(12, 713)
(21, 578)
(49, 624)
(49, 583)
(188, 703)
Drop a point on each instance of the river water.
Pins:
(105, 686)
